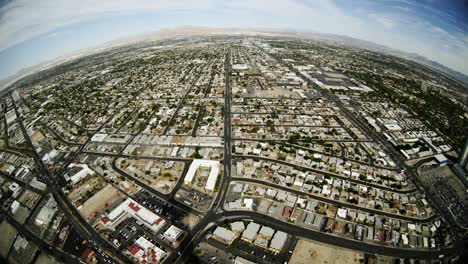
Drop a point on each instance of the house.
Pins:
(224, 235)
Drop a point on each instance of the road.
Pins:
(166, 197)
(30, 236)
(219, 200)
(200, 230)
(197, 233)
(105, 251)
(406, 191)
(337, 202)
(376, 137)
(181, 102)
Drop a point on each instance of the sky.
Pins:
(33, 32)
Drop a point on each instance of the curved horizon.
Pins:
(34, 33)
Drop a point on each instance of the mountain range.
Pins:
(184, 31)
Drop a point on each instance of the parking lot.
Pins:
(198, 200)
(161, 207)
(255, 253)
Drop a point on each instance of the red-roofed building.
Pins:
(133, 249)
(154, 258)
(130, 208)
(105, 219)
(134, 207)
(287, 211)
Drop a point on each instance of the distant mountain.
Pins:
(384, 49)
(346, 40)
(433, 64)
(18, 75)
(185, 31)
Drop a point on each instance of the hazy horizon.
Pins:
(33, 33)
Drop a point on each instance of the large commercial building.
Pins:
(130, 208)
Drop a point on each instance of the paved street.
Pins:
(204, 102)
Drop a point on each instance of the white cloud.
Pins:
(385, 21)
(21, 20)
(438, 30)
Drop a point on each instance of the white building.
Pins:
(173, 233)
(223, 234)
(278, 241)
(251, 232)
(130, 208)
(14, 206)
(44, 216)
(266, 232)
(212, 177)
(37, 184)
(237, 226)
(47, 158)
(83, 173)
(146, 252)
(342, 213)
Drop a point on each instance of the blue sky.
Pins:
(32, 32)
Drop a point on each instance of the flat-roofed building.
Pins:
(46, 213)
(83, 173)
(212, 177)
(266, 232)
(130, 208)
(146, 252)
(38, 184)
(224, 235)
(237, 226)
(277, 243)
(240, 260)
(14, 206)
(251, 231)
(173, 233)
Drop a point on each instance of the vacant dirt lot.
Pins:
(99, 201)
(8, 235)
(308, 251)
